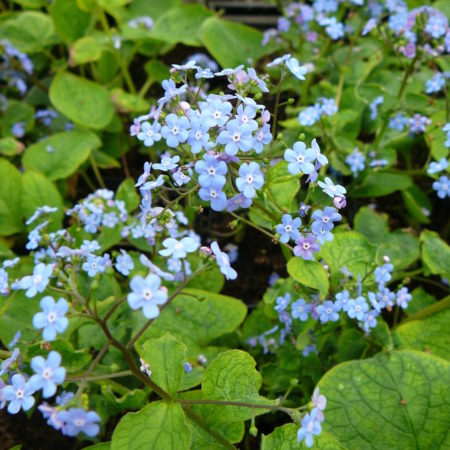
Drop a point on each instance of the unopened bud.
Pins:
(386, 258)
(185, 106)
(202, 359)
(205, 251)
(301, 136)
(339, 202)
(253, 431)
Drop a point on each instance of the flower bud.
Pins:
(386, 258)
(339, 202)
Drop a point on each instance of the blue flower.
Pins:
(357, 308)
(178, 249)
(288, 228)
(149, 133)
(238, 201)
(370, 320)
(175, 131)
(171, 91)
(442, 187)
(374, 107)
(437, 25)
(124, 263)
(333, 28)
(325, 218)
(310, 427)
(94, 265)
(331, 189)
(261, 138)
(403, 297)
(77, 420)
(167, 163)
(211, 171)
(203, 73)
(8, 362)
(398, 122)
(4, 285)
(296, 69)
(383, 274)
(310, 115)
(198, 137)
(38, 281)
(342, 299)
(236, 137)
(48, 373)
(19, 394)
(418, 123)
(246, 114)
(306, 246)
(147, 294)
(224, 262)
(143, 178)
(215, 195)
(180, 177)
(435, 84)
(300, 159)
(215, 112)
(356, 161)
(250, 178)
(436, 167)
(280, 60)
(282, 302)
(328, 106)
(327, 312)
(52, 318)
(299, 310)
(320, 402)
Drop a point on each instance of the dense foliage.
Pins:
(150, 150)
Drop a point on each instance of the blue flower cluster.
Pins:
(312, 114)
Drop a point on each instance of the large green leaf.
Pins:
(158, 426)
(40, 191)
(181, 24)
(282, 186)
(377, 184)
(196, 319)
(29, 31)
(309, 273)
(395, 400)
(60, 155)
(232, 43)
(70, 21)
(285, 438)
(165, 356)
(350, 250)
(435, 253)
(82, 101)
(16, 112)
(10, 199)
(429, 334)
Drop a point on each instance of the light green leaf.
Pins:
(17, 112)
(10, 199)
(420, 300)
(395, 400)
(232, 43)
(82, 101)
(377, 184)
(61, 154)
(165, 356)
(127, 193)
(158, 426)
(29, 31)
(285, 438)
(196, 319)
(70, 21)
(283, 186)
(417, 204)
(429, 334)
(125, 102)
(351, 250)
(181, 24)
(40, 191)
(84, 50)
(309, 273)
(435, 253)
(10, 147)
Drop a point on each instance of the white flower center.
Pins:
(245, 119)
(306, 246)
(212, 171)
(325, 219)
(20, 393)
(37, 279)
(150, 133)
(287, 228)
(198, 135)
(236, 137)
(51, 317)
(249, 179)
(147, 294)
(357, 308)
(217, 114)
(300, 158)
(47, 373)
(175, 130)
(79, 422)
(213, 194)
(178, 246)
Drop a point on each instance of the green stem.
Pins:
(97, 173)
(106, 376)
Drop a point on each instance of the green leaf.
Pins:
(40, 191)
(60, 155)
(420, 300)
(429, 334)
(82, 101)
(29, 31)
(435, 253)
(372, 224)
(157, 426)
(127, 193)
(70, 21)
(417, 204)
(377, 184)
(285, 438)
(157, 71)
(283, 186)
(351, 250)
(10, 199)
(16, 112)
(309, 273)
(196, 319)
(232, 43)
(395, 400)
(165, 356)
(10, 147)
(126, 103)
(84, 50)
(181, 25)
(232, 376)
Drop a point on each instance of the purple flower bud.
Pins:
(339, 202)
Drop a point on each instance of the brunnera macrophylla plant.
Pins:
(124, 264)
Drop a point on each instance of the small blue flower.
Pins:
(398, 122)
(215, 112)
(325, 218)
(38, 281)
(356, 161)
(203, 73)
(238, 201)
(299, 310)
(403, 297)
(342, 299)
(327, 312)
(48, 373)
(370, 320)
(236, 137)
(296, 69)
(282, 302)
(149, 133)
(333, 28)
(19, 394)
(52, 318)
(198, 137)
(147, 294)
(437, 25)
(383, 274)
(262, 137)
(175, 131)
(374, 107)
(310, 427)
(328, 106)
(288, 228)
(211, 171)
(8, 362)
(94, 265)
(331, 189)
(300, 159)
(320, 402)
(223, 261)
(357, 308)
(180, 177)
(178, 249)
(418, 123)
(77, 420)
(436, 167)
(310, 115)
(171, 91)
(246, 114)
(250, 179)
(442, 187)
(124, 263)
(167, 163)
(214, 195)
(436, 83)
(4, 285)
